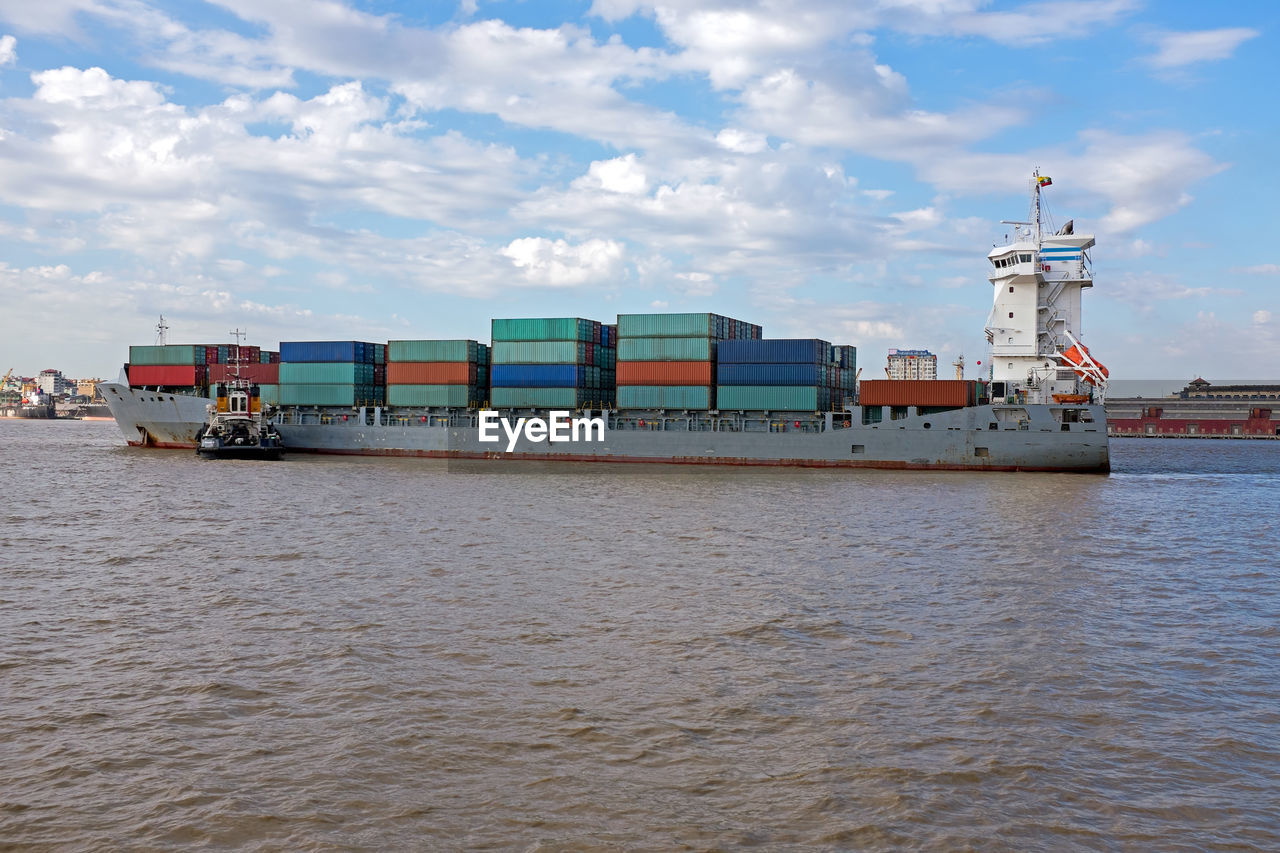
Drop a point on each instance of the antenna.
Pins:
(235, 360)
(162, 331)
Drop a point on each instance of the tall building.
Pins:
(52, 382)
(912, 364)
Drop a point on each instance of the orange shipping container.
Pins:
(915, 392)
(665, 373)
(432, 373)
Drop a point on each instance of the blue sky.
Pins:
(376, 170)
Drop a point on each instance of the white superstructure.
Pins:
(1035, 322)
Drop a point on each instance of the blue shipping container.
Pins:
(775, 351)
(539, 376)
(349, 351)
(770, 374)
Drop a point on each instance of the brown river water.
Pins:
(332, 653)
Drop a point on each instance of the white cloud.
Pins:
(620, 175)
(864, 108)
(1174, 50)
(93, 88)
(696, 284)
(1262, 316)
(1031, 24)
(1259, 269)
(741, 141)
(556, 263)
(925, 217)
(1143, 178)
(1143, 290)
(8, 50)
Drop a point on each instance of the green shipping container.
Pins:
(684, 326)
(326, 373)
(540, 398)
(171, 354)
(435, 395)
(540, 352)
(667, 326)
(666, 349)
(664, 397)
(329, 395)
(269, 394)
(433, 351)
(774, 398)
(543, 329)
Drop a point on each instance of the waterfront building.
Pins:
(912, 364)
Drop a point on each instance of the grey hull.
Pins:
(960, 439)
(1024, 438)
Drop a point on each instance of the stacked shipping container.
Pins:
(437, 373)
(668, 361)
(783, 375)
(171, 366)
(198, 365)
(332, 373)
(546, 363)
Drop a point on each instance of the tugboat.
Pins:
(236, 427)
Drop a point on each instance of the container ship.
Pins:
(670, 388)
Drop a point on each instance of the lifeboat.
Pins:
(1086, 366)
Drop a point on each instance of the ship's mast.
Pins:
(235, 361)
(162, 331)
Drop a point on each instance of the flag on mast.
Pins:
(1044, 181)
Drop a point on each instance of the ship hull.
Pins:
(957, 440)
(155, 418)
(1024, 438)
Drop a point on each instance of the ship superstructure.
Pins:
(1035, 322)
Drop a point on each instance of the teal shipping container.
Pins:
(330, 395)
(540, 352)
(171, 354)
(664, 396)
(545, 329)
(774, 398)
(666, 349)
(326, 373)
(435, 395)
(683, 326)
(434, 350)
(540, 398)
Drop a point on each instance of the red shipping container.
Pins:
(665, 373)
(431, 373)
(262, 374)
(915, 392)
(183, 375)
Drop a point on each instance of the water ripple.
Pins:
(387, 654)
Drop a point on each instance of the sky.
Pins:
(387, 169)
